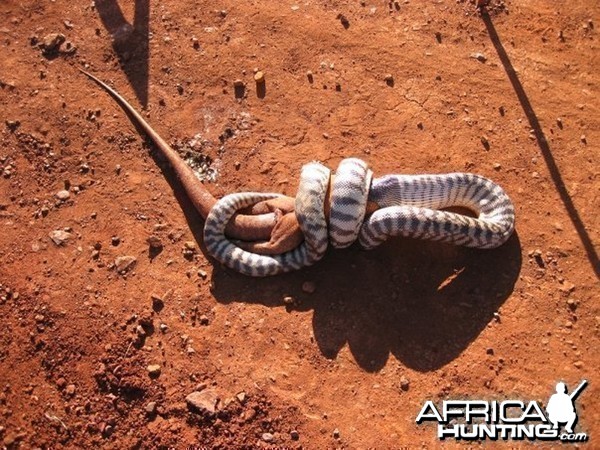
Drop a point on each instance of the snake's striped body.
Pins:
(409, 205)
(310, 206)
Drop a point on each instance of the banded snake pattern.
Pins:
(408, 205)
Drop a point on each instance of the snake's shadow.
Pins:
(422, 302)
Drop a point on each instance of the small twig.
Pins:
(128, 347)
(56, 419)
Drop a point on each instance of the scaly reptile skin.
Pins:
(409, 205)
(310, 205)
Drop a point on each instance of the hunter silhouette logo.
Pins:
(561, 406)
(508, 419)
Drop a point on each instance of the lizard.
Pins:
(269, 227)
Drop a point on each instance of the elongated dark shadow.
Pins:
(130, 42)
(543, 144)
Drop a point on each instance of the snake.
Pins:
(336, 210)
(310, 212)
(413, 206)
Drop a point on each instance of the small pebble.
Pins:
(309, 287)
(267, 437)
(59, 237)
(404, 383)
(485, 142)
(157, 302)
(190, 245)
(389, 79)
(115, 240)
(578, 364)
(294, 435)
(241, 396)
(139, 330)
(154, 242)
(309, 75)
(204, 401)
(288, 300)
(163, 327)
(51, 43)
(345, 22)
(63, 195)
(70, 390)
(204, 319)
(479, 57)
(150, 408)
(336, 433)
(583, 139)
(13, 124)
(154, 370)
(125, 263)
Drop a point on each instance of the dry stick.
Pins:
(245, 227)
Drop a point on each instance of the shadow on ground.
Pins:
(543, 144)
(421, 302)
(130, 42)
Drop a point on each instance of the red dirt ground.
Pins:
(447, 323)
